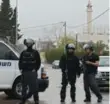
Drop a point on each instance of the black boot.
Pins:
(22, 102)
(73, 100)
(99, 100)
(63, 96)
(62, 101)
(36, 102)
(87, 100)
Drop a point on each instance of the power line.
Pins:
(42, 25)
(77, 26)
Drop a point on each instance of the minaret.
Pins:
(89, 17)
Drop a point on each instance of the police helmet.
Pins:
(29, 42)
(88, 46)
(71, 46)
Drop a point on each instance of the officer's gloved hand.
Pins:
(63, 73)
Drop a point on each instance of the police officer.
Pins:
(29, 64)
(91, 62)
(69, 65)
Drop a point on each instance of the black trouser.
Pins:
(90, 83)
(65, 80)
(29, 78)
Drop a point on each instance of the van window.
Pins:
(104, 62)
(6, 53)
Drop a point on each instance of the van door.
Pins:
(7, 66)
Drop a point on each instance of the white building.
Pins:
(94, 38)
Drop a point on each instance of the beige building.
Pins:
(94, 38)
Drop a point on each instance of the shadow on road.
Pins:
(9, 100)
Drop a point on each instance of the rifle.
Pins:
(84, 67)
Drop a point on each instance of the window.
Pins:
(104, 62)
(6, 53)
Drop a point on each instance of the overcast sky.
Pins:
(40, 12)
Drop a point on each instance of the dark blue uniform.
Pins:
(70, 68)
(29, 63)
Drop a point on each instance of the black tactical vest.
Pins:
(28, 60)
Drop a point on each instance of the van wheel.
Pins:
(17, 89)
(9, 93)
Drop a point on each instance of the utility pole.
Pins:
(16, 21)
(65, 36)
(76, 41)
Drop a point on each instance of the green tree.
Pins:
(8, 22)
(65, 40)
(68, 39)
(100, 46)
(13, 23)
(53, 54)
(5, 17)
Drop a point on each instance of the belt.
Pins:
(29, 70)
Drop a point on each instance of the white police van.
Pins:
(102, 77)
(10, 76)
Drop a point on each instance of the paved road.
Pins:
(51, 96)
